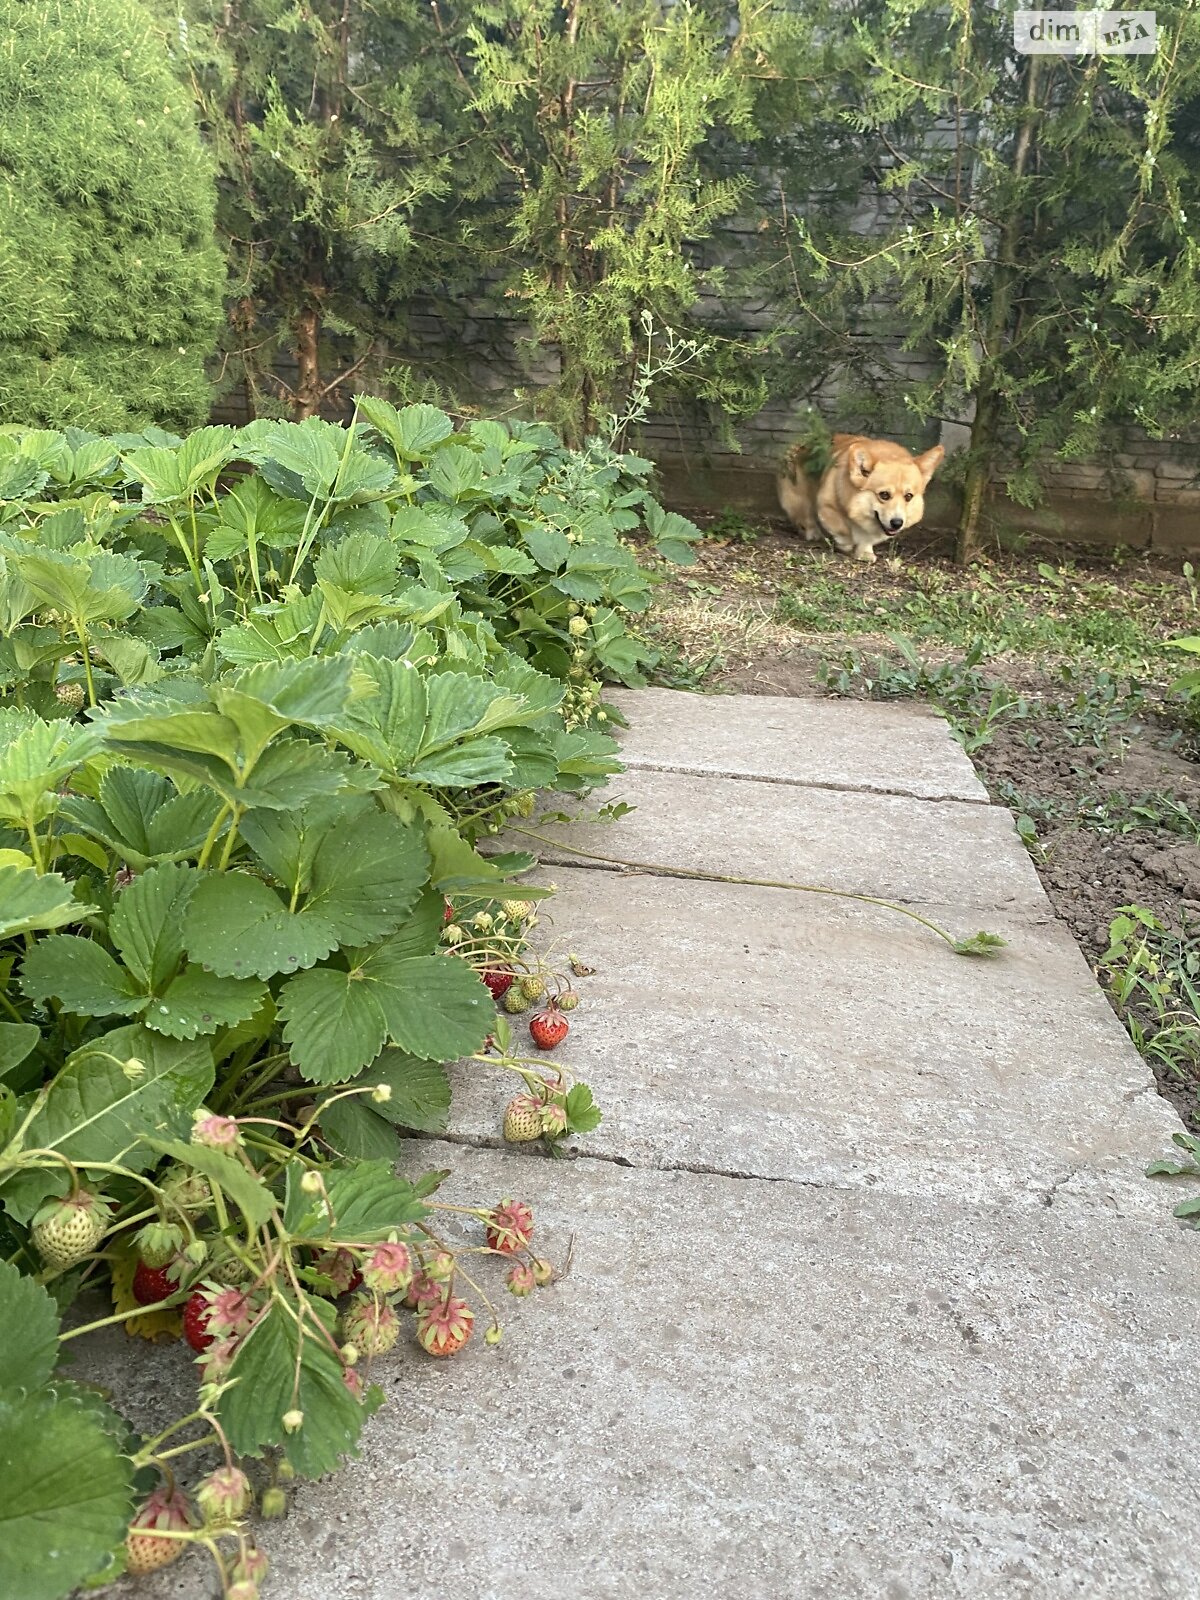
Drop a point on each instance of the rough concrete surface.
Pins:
(760, 1390)
(800, 1037)
(841, 744)
(868, 1298)
(891, 846)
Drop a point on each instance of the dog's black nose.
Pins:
(895, 524)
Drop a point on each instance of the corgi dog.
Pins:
(871, 491)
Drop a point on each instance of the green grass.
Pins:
(1055, 614)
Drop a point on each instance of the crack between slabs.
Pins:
(882, 790)
(1046, 1195)
(571, 863)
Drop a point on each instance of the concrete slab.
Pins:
(877, 746)
(885, 845)
(793, 1036)
(869, 1299)
(763, 1392)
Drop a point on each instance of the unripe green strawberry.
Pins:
(158, 1243)
(70, 694)
(515, 910)
(226, 1268)
(225, 1495)
(568, 1000)
(514, 1002)
(577, 627)
(65, 1231)
(522, 1119)
(273, 1503)
(532, 986)
(370, 1325)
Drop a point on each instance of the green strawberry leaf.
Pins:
(199, 1002)
(238, 927)
(284, 1364)
(146, 924)
(31, 902)
(583, 1114)
(17, 1041)
(353, 1129)
(366, 1198)
(110, 1094)
(420, 1099)
(81, 975)
(332, 1027)
(28, 1331)
(65, 1496)
(335, 1022)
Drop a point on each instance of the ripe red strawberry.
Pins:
(444, 1329)
(548, 1028)
(510, 1227)
(498, 980)
(152, 1284)
(195, 1322)
(447, 913)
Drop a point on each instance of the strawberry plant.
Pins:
(261, 696)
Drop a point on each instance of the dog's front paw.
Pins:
(864, 552)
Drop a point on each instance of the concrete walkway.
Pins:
(869, 1298)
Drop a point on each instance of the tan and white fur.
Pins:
(872, 490)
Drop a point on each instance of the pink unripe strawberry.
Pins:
(388, 1269)
(423, 1291)
(218, 1133)
(554, 1120)
(510, 1226)
(520, 1280)
(144, 1552)
(440, 1266)
(250, 1566)
(443, 1329)
(340, 1267)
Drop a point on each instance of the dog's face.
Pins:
(889, 485)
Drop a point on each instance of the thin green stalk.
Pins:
(213, 835)
(659, 869)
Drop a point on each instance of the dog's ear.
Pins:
(928, 464)
(860, 464)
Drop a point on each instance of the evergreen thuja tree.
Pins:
(110, 277)
(604, 123)
(1041, 243)
(333, 126)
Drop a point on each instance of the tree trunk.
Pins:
(307, 331)
(1004, 283)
